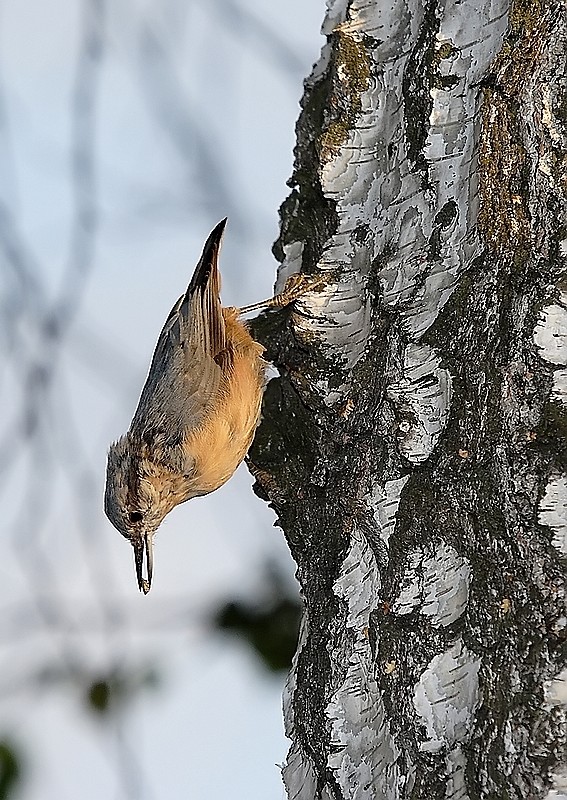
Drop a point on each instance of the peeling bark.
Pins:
(413, 446)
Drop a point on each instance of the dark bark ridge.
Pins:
(414, 444)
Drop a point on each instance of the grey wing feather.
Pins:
(184, 376)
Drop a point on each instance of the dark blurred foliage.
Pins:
(269, 626)
(105, 692)
(10, 769)
(109, 693)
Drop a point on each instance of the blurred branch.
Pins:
(83, 115)
(186, 130)
(265, 39)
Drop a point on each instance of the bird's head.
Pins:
(136, 500)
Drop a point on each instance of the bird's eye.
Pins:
(135, 516)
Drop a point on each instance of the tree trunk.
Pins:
(414, 444)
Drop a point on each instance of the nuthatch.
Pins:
(197, 413)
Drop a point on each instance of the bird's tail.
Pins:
(207, 268)
(203, 295)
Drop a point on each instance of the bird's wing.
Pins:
(189, 360)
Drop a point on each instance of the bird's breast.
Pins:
(221, 443)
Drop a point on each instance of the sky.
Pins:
(127, 131)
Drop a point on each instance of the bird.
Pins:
(198, 409)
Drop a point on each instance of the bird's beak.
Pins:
(143, 545)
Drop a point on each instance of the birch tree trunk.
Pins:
(414, 445)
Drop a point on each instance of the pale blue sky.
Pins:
(214, 728)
